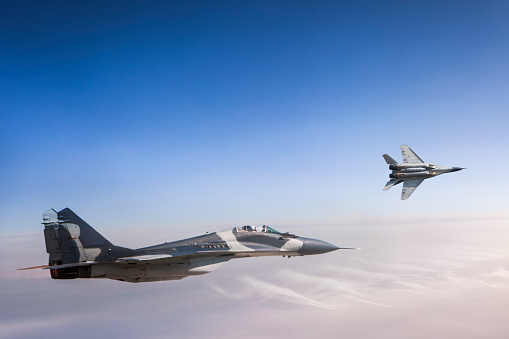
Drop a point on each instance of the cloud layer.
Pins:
(453, 283)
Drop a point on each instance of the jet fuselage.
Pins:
(420, 172)
(412, 172)
(76, 250)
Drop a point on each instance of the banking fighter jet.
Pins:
(412, 171)
(76, 250)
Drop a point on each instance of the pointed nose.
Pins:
(314, 246)
(455, 169)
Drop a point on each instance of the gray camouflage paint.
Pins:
(412, 172)
(76, 250)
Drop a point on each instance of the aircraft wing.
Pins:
(179, 257)
(409, 156)
(409, 186)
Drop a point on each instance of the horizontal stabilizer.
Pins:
(389, 160)
(52, 267)
(392, 182)
(33, 268)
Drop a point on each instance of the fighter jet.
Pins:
(76, 250)
(412, 171)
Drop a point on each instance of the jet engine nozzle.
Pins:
(393, 167)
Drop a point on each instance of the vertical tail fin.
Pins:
(88, 236)
(59, 244)
(69, 239)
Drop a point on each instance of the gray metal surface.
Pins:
(412, 172)
(76, 250)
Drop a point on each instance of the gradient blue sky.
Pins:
(182, 115)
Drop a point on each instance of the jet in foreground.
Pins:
(412, 171)
(76, 250)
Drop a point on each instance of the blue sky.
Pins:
(178, 116)
(208, 108)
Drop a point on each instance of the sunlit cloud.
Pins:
(377, 282)
(255, 289)
(439, 273)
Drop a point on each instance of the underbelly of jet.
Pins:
(141, 271)
(412, 175)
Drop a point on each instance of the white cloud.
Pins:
(450, 283)
(255, 289)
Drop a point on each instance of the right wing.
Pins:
(409, 156)
(409, 187)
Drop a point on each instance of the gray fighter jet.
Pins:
(412, 171)
(76, 250)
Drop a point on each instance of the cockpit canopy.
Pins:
(263, 229)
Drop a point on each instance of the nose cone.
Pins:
(455, 169)
(314, 246)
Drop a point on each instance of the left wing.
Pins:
(409, 186)
(183, 256)
(409, 156)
